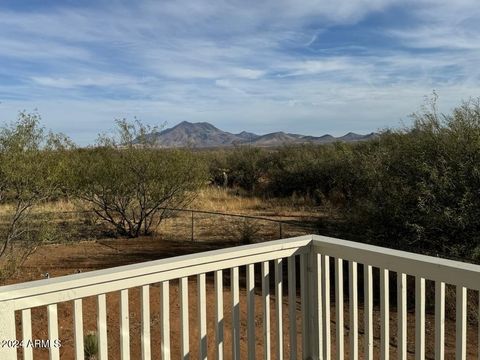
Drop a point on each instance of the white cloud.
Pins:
(97, 80)
(427, 37)
(247, 73)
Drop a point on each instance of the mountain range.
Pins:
(205, 135)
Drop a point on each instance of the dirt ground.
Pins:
(65, 259)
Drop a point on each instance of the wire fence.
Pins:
(204, 225)
(178, 224)
(191, 225)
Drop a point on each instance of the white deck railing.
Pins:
(317, 254)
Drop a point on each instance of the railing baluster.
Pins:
(124, 326)
(235, 314)
(102, 326)
(145, 336)
(339, 307)
(165, 319)
(384, 315)
(53, 331)
(317, 278)
(27, 334)
(78, 329)
(266, 309)
(219, 314)
(353, 300)
(185, 346)
(292, 306)
(251, 311)
(7, 330)
(419, 318)
(478, 327)
(368, 311)
(461, 324)
(402, 316)
(439, 320)
(326, 308)
(304, 305)
(202, 316)
(278, 303)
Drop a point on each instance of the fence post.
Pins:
(7, 331)
(192, 226)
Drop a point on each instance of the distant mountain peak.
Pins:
(205, 135)
(247, 136)
(188, 124)
(351, 136)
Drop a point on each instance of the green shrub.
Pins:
(423, 184)
(216, 163)
(247, 230)
(416, 188)
(246, 166)
(90, 346)
(30, 159)
(322, 172)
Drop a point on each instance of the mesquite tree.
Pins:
(128, 182)
(29, 162)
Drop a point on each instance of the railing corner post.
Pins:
(312, 321)
(7, 331)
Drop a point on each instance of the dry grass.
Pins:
(211, 227)
(210, 199)
(52, 206)
(235, 201)
(69, 225)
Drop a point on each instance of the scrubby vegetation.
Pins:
(415, 188)
(123, 180)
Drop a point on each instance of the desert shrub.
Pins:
(423, 183)
(415, 188)
(247, 230)
(216, 163)
(90, 346)
(30, 159)
(294, 170)
(247, 166)
(128, 182)
(322, 172)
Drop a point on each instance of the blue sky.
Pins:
(303, 66)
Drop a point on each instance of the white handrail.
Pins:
(428, 267)
(71, 287)
(463, 275)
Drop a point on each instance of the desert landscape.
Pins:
(225, 179)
